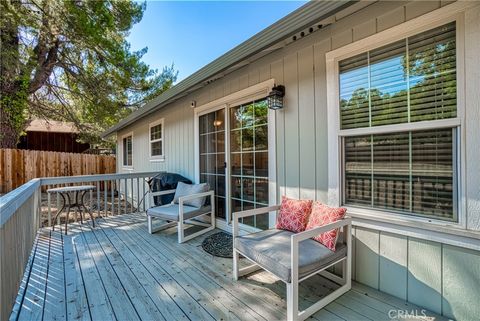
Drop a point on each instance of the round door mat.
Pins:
(219, 244)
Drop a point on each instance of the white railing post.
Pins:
(138, 196)
(58, 207)
(112, 183)
(49, 200)
(131, 197)
(36, 208)
(98, 198)
(117, 186)
(105, 197)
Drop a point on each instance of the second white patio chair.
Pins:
(188, 205)
(293, 258)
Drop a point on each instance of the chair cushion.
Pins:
(271, 250)
(169, 212)
(321, 215)
(186, 190)
(293, 214)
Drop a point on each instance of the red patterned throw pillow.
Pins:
(322, 215)
(293, 214)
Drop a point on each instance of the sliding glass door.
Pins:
(249, 160)
(246, 147)
(212, 156)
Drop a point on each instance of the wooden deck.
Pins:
(118, 271)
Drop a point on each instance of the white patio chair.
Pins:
(293, 258)
(181, 214)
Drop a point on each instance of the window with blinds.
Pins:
(412, 80)
(408, 81)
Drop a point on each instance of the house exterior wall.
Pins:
(178, 142)
(421, 269)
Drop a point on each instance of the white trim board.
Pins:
(245, 95)
(419, 233)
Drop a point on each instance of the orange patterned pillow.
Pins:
(322, 215)
(293, 214)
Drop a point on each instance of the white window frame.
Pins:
(127, 167)
(258, 91)
(161, 157)
(335, 134)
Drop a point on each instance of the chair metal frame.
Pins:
(345, 281)
(181, 223)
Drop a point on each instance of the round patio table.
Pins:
(77, 201)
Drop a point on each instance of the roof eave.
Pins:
(294, 22)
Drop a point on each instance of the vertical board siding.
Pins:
(364, 30)
(472, 119)
(425, 274)
(442, 278)
(393, 265)
(321, 125)
(367, 259)
(178, 142)
(461, 283)
(417, 8)
(306, 124)
(276, 72)
(292, 152)
(391, 19)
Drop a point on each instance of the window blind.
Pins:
(409, 172)
(407, 81)
(411, 80)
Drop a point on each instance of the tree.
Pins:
(69, 60)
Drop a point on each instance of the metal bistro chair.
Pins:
(189, 204)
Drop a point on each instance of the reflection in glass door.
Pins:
(212, 156)
(249, 160)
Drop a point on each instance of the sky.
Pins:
(190, 34)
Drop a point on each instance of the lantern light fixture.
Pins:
(275, 97)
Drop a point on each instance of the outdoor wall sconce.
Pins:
(275, 97)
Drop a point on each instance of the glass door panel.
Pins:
(212, 156)
(249, 160)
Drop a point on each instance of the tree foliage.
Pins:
(69, 60)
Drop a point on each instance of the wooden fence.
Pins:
(19, 166)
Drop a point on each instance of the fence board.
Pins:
(19, 166)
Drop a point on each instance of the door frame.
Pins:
(258, 91)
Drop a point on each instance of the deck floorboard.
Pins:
(118, 271)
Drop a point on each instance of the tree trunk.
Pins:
(9, 134)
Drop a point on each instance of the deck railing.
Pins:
(114, 193)
(23, 211)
